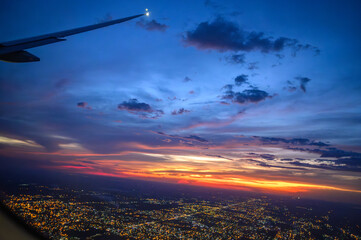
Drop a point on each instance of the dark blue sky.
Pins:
(199, 89)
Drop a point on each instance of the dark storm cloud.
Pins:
(241, 79)
(303, 82)
(152, 25)
(143, 110)
(223, 35)
(180, 111)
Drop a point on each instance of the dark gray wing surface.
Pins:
(13, 51)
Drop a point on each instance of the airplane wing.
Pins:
(13, 51)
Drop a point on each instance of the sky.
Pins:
(250, 95)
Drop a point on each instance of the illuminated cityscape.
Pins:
(62, 213)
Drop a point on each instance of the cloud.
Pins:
(172, 98)
(252, 95)
(219, 156)
(333, 165)
(152, 25)
(241, 79)
(216, 123)
(223, 35)
(351, 161)
(293, 141)
(199, 139)
(213, 4)
(236, 59)
(335, 153)
(134, 106)
(62, 83)
(143, 110)
(303, 82)
(224, 103)
(106, 18)
(187, 79)
(268, 156)
(262, 164)
(279, 56)
(265, 156)
(343, 160)
(252, 65)
(187, 138)
(180, 111)
(221, 9)
(247, 96)
(290, 88)
(83, 105)
(330, 158)
(228, 87)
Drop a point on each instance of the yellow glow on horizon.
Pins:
(195, 169)
(200, 159)
(233, 182)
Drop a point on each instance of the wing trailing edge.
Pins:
(19, 57)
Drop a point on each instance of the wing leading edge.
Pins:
(13, 51)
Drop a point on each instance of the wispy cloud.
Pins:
(152, 25)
